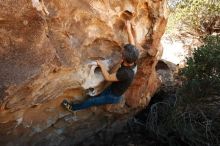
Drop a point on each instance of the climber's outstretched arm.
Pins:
(108, 77)
(131, 36)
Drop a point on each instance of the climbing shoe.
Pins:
(67, 105)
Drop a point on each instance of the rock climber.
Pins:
(121, 79)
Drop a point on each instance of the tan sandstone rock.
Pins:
(46, 47)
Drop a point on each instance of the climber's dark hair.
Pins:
(130, 53)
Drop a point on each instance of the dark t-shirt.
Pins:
(125, 76)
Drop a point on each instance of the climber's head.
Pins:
(130, 53)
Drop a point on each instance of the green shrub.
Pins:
(203, 70)
(197, 15)
(194, 119)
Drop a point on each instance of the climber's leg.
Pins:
(104, 98)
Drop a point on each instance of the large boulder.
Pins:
(47, 54)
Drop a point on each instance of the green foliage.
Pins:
(198, 15)
(203, 69)
(194, 117)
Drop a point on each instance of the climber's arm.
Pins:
(116, 67)
(134, 32)
(108, 77)
(131, 37)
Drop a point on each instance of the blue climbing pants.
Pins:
(106, 97)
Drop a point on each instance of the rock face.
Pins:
(47, 50)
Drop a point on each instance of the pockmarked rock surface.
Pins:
(47, 54)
